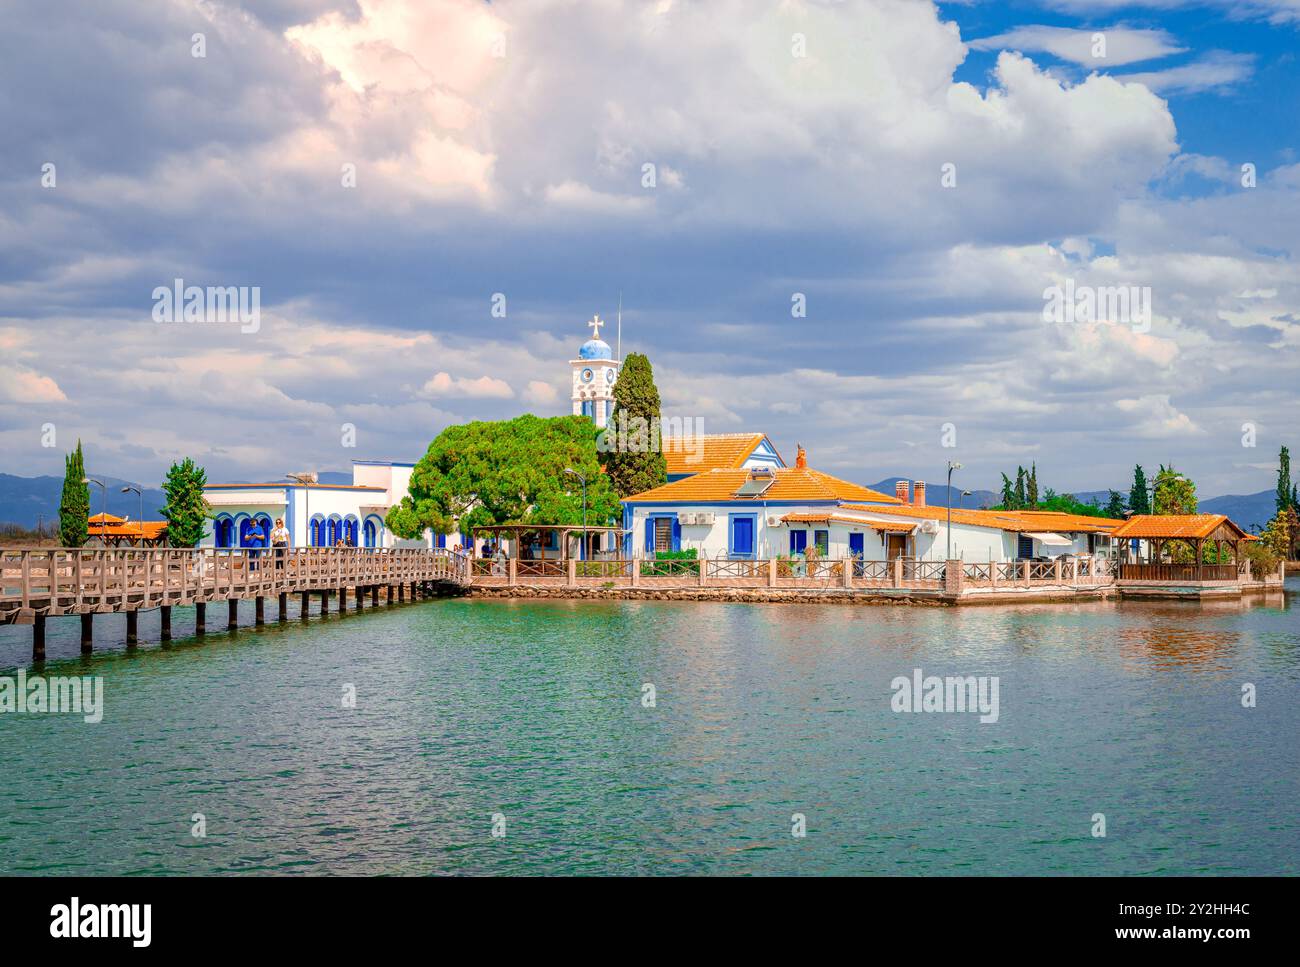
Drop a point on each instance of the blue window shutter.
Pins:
(650, 534)
(677, 534)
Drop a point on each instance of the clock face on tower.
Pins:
(609, 376)
(587, 374)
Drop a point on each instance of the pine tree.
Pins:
(1033, 485)
(1008, 493)
(1115, 506)
(1285, 492)
(631, 457)
(186, 511)
(1138, 500)
(74, 506)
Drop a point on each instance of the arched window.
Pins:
(318, 531)
(335, 530)
(350, 531)
(371, 533)
(223, 531)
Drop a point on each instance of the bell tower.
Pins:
(595, 373)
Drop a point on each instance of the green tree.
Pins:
(1020, 489)
(1138, 499)
(1008, 493)
(630, 447)
(1285, 492)
(1115, 506)
(187, 510)
(1174, 493)
(74, 505)
(1031, 486)
(506, 472)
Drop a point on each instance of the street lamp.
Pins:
(961, 500)
(103, 519)
(952, 465)
(583, 553)
(128, 489)
(305, 480)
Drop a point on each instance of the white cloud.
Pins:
(1217, 69)
(484, 387)
(1118, 45)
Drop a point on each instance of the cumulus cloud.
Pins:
(1095, 48)
(484, 387)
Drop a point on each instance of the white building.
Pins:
(316, 514)
(762, 512)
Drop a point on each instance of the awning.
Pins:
(1050, 539)
(892, 528)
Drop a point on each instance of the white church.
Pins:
(322, 515)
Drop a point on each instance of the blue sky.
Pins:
(501, 149)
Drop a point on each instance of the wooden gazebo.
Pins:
(113, 531)
(1196, 531)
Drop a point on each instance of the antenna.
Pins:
(619, 353)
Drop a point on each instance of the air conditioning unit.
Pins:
(774, 522)
(929, 527)
(686, 519)
(707, 519)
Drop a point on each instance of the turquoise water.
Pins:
(532, 710)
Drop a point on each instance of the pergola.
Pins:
(521, 534)
(114, 531)
(1193, 530)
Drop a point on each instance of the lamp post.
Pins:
(952, 465)
(583, 552)
(961, 500)
(103, 518)
(305, 480)
(128, 489)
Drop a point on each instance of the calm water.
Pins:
(533, 710)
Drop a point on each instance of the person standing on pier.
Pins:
(256, 540)
(280, 542)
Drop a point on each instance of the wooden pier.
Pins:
(38, 584)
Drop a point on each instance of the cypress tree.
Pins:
(631, 458)
(1138, 499)
(187, 510)
(1032, 485)
(1115, 506)
(1020, 489)
(74, 505)
(1285, 492)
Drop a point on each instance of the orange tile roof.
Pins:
(153, 529)
(105, 518)
(1189, 526)
(792, 483)
(1007, 520)
(895, 527)
(714, 451)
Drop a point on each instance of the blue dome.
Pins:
(595, 349)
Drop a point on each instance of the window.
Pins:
(372, 534)
(823, 540)
(1025, 546)
(663, 533)
(589, 409)
(798, 542)
(223, 532)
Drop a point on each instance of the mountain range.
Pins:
(23, 500)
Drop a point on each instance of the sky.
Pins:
(917, 176)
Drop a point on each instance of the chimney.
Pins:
(900, 490)
(918, 493)
(801, 458)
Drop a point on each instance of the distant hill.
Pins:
(24, 499)
(936, 495)
(1251, 511)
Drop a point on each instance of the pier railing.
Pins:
(55, 581)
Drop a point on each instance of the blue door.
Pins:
(742, 536)
(856, 547)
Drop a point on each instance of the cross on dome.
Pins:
(595, 324)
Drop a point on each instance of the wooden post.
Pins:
(324, 603)
(282, 606)
(1024, 573)
(165, 622)
(898, 572)
(512, 572)
(634, 572)
(259, 610)
(38, 637)
(304, 605)
(343, 600)
(702, 576)
(132, 628)
(200, 619)
(1056, 570)
(993, 571)
(848, 571)
(572, 577)
(401, 592)
(374, 595)
(771, 572)
(232, 614)
(87, 632)
(391, 594)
